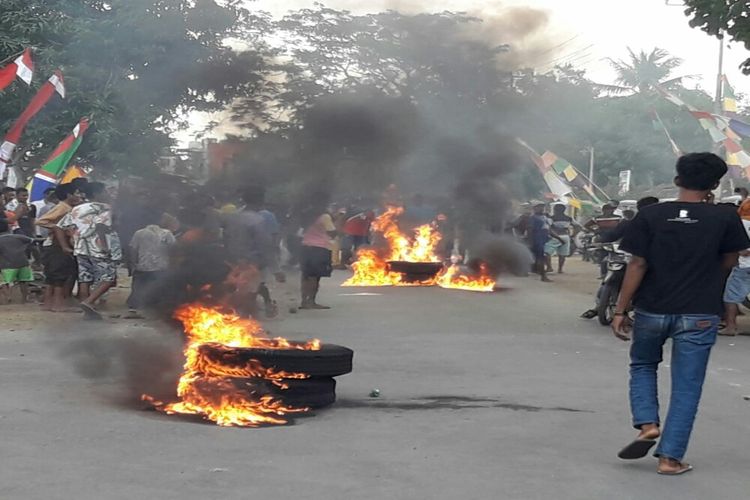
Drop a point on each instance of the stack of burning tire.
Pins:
(317, 390)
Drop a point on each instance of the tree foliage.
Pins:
(644, 72)
(134, 66)
(139, 66)
(717, 17)
(463, 87)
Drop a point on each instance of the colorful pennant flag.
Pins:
(22, 67)
(674, 99)
(43, 95)
(52, 169)
(728, 101)
(739, 127)
(571, 175)
(557, 186)
(559, 174)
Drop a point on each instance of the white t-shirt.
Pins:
(744, 262)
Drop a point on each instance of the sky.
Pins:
(599, 29)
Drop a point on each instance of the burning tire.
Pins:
(414, 272)
(316, 392)
(330, 361)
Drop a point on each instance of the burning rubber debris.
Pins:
(412, 260)
(215, 347)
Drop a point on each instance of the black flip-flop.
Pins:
(90, 313)
(636, 449)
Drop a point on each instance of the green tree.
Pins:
(135, 66)
(564, 112)
(643, 72)
(717, 17)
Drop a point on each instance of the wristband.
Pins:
(620, 314)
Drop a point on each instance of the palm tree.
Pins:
(643, 72)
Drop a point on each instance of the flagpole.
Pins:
(591, 183)
(13, 57)
(720, 75)
(675, 148)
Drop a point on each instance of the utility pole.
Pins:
(719, 109)
(720, 76)
(590, 151)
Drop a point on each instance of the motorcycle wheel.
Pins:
(605, 309)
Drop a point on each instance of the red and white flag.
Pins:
(43, 95)
(22, 67)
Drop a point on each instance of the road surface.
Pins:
(506, 395)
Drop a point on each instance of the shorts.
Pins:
(315, 262)
(555, 247)
(738, 286)
(59, 267)
(20, 275)
(94, 270)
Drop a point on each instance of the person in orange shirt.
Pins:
(744, 209)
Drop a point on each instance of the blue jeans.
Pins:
(693, 336)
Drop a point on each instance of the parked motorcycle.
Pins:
(615, 261)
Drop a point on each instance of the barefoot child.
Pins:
(14, 263)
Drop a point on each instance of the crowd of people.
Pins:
(78, 238)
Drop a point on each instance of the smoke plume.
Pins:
(131, 364)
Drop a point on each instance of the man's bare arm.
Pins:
(634, 274)
(62, 239)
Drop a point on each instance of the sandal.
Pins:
(683, 468)
(90, 313)
(724, 332)
(638, 448)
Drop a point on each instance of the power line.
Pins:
(560, 44)
(569, 54)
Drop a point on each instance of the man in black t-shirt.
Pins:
(682, 252)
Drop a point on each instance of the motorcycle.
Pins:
(615, 261)
(583, 241)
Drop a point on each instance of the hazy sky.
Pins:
(602, 28)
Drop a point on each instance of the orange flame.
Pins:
(205, 388)
(371, 267)
(453, 277)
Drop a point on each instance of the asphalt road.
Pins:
(505, 395)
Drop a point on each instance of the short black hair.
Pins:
(559, 208)
(700, 171)
(4, 226)
(22, 190)
(254, 195)
(92, 190)
(49, 190)
(80, 182)
(8, 189)
(62, 191)
(646, 201)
